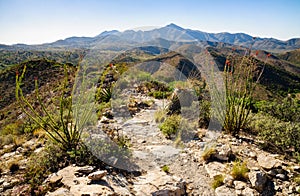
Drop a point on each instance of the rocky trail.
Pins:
(187, 173)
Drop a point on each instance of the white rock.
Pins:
(98, 175)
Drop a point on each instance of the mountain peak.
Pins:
(174, 26)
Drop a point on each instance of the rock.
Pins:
(224, 191)
(60, 192)
(250, 192)
(296, 168)
(214, 168)
(94, 189)
(54, 180)
(258, 180)
(228, 180)
(281, 176)
(252, 155)
(84, 170)
(159, 183)
(267, 162)
(239, 185)
(252, 164)
(98, 175)
(2, 180)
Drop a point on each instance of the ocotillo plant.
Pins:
(64, 126)
(240, 81)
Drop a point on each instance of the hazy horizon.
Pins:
(37, 22)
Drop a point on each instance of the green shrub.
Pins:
(42, 164)
(13, 128)
(239, 171)
(218, 181)
(287, 110)
(278, 136)
(208, 153)
(6, 140)
(296, 179)
(159, 94)
(165, 168)
(170, 126)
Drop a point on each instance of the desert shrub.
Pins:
(6, 139)
(208, 153)
(12, 128)
(278, 136)
(296, 179)
(159, 94)
(165, 168)
(170, 126)
(239, 171)
(160, 115)
(217, 181)
(287, 110)
(42, 164)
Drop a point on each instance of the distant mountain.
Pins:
(292, 56)
(171, 32)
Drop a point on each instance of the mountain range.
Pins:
(171, 32)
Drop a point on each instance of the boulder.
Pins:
(267, 162)
(159, 183)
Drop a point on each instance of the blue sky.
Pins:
(40, 21)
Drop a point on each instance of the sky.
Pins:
(44, 21)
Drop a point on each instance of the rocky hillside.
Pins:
(154, 149)
(205, 166)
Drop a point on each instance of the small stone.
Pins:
(281, 176)
(225, 191)
(250, 192)
(97, 175)
(239, 185)
(252, 155)
(228, 180)
(1, 181)
(258, 180)
(273, 172)
(141, 141)
(296, 168)
(55, 180)
(84, 170)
